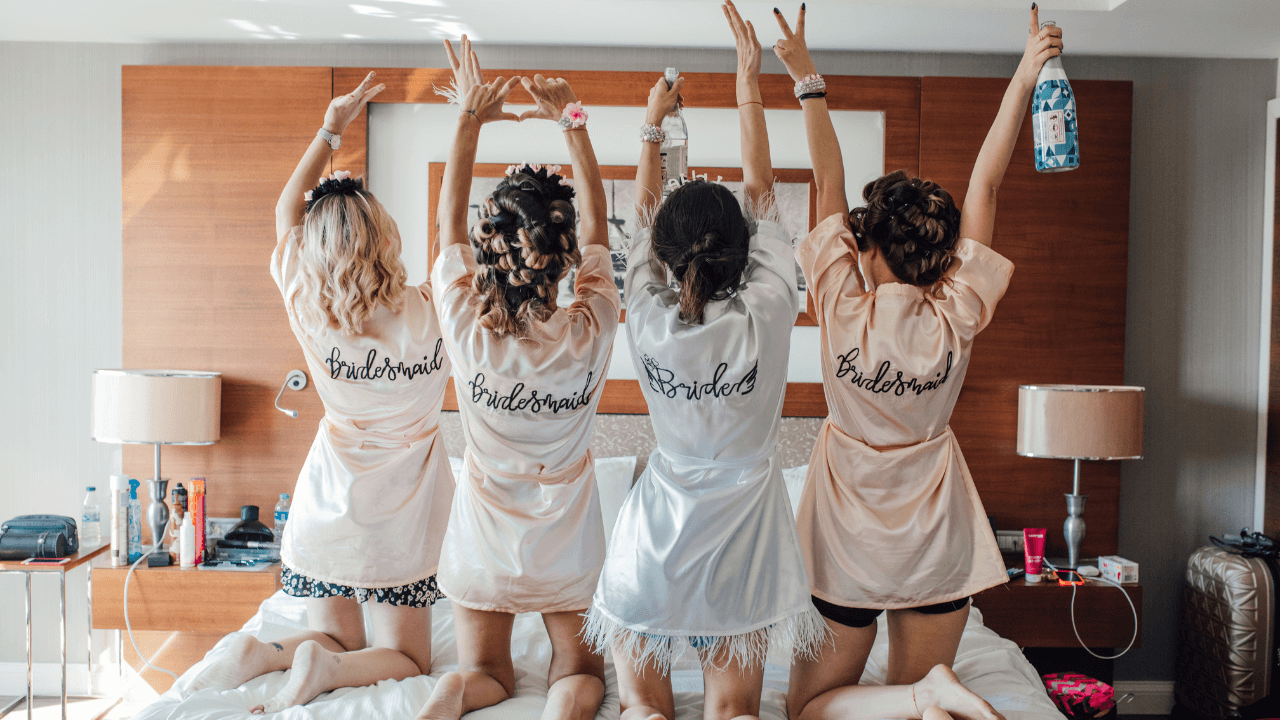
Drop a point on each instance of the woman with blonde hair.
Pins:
(372, 500)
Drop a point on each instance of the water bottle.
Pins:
(91, 519)
(1053, 118)
(675, 147)
(282, 516)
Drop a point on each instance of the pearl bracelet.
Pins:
(810, 84)
(652, 134)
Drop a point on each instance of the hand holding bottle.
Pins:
(662, 100)
(1042, 44)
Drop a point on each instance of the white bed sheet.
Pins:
(990, 665)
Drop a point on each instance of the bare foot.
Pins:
(312, 673)
(942, 689)
(244, 659)
(445, 702)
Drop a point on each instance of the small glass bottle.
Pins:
(1053, 118)
(91, 518)
(675, 146)
(282, 516)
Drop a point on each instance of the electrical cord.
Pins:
(127, 625)
(1076, 630)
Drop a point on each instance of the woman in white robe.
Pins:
(373, 497)
(525, 531)
(705, 551)
(890, 520)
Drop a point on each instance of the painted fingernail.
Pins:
(1033, 6)
(775, 11)
(801, 7)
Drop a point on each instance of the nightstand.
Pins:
(179, 599)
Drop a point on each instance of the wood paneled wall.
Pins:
(207, 149)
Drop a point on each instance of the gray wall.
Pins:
(1194, 275)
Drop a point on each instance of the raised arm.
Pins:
(757, 169)
(481, 103)
(978, 217)
(342, 110)
(824, 148)
(649, 170)
(556, 101)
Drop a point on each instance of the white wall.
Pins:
(1194, 275)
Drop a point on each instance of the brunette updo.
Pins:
(699, 233)
(525, 243)
(914, 223)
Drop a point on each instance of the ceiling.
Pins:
(1198, 28)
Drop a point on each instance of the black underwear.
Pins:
(862, 617)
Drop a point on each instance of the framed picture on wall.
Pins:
(793, 189)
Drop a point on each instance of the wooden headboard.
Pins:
(207, 149)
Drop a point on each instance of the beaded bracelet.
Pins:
(573, 116)
(810, 84)
(652, 134)
(811, 95)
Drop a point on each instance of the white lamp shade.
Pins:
(1086, 422)
(165, 407)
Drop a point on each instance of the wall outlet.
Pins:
(1010, 541)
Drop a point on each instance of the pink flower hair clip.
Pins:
(573, 116)
(531, 168)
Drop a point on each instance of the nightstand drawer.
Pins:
(180, 599)
(1039, 615)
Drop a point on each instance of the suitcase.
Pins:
(1225, 634)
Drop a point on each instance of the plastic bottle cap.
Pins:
(284, 496)
(92, 489)
(1033, 578)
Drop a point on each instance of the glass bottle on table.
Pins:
(675, 144)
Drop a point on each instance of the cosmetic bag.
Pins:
(38, 536)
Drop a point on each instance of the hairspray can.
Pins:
(119, 533)
(1053, 119)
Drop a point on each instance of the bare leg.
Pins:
(485, 674)
(731, 690)
(336, 625)
(814, 691)
(918, 641)
(403, 650)
(576, 676)
(646, 692)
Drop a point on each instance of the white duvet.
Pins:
(988, 664)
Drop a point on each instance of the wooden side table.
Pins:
(84, 557)
(1038, 615)
(179, 599)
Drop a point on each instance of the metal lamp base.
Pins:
(1073, 529)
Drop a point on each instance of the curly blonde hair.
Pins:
(349, 260)
(524, 244)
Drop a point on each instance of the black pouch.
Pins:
(38, 536)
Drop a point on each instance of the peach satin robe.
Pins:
(890, 517)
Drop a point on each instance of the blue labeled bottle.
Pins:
(1053, 119)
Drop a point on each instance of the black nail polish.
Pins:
(1033, 6)
(775, 11)
(801, 7)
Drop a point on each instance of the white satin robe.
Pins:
(705, 545)
(525, 533)
(373, 497)
(890, 517)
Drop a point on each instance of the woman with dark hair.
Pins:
(525, 532)
(890, 519)
(704, 551)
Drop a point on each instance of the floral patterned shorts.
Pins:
(420, 594)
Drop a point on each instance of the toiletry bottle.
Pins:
(187, 542)
(282, 516)
(91, 518)
(1053, 118)
(119, 534)
(135, 522)
(178, 509)
(675, 147)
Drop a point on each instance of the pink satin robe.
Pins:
(890, 517)
(373, 497)
(525, 532)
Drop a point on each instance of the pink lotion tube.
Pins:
(1033, 552)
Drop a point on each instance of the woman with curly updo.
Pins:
(704, 553)
(890, 519)
(525, 532)
(377, 478)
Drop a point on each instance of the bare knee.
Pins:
(727, 708)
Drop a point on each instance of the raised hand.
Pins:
(792, 50)
(662, 100)
(345, 108)
(483, 100)
(1042, 44)
(744, 36)
(550, 95)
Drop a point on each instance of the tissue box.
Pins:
(1117, 569)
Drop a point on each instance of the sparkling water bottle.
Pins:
(282, 516)
(91, 519)
(675, 148)
(1053, 118)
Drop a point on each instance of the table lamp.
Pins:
(1079, 422)
(157, 407)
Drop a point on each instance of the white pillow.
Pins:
(794, 478)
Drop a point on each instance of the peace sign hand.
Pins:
(792, 50)
(483, 100)
(345, 108)
(744, 36)
(550, 95)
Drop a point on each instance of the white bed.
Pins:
(988, 664)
